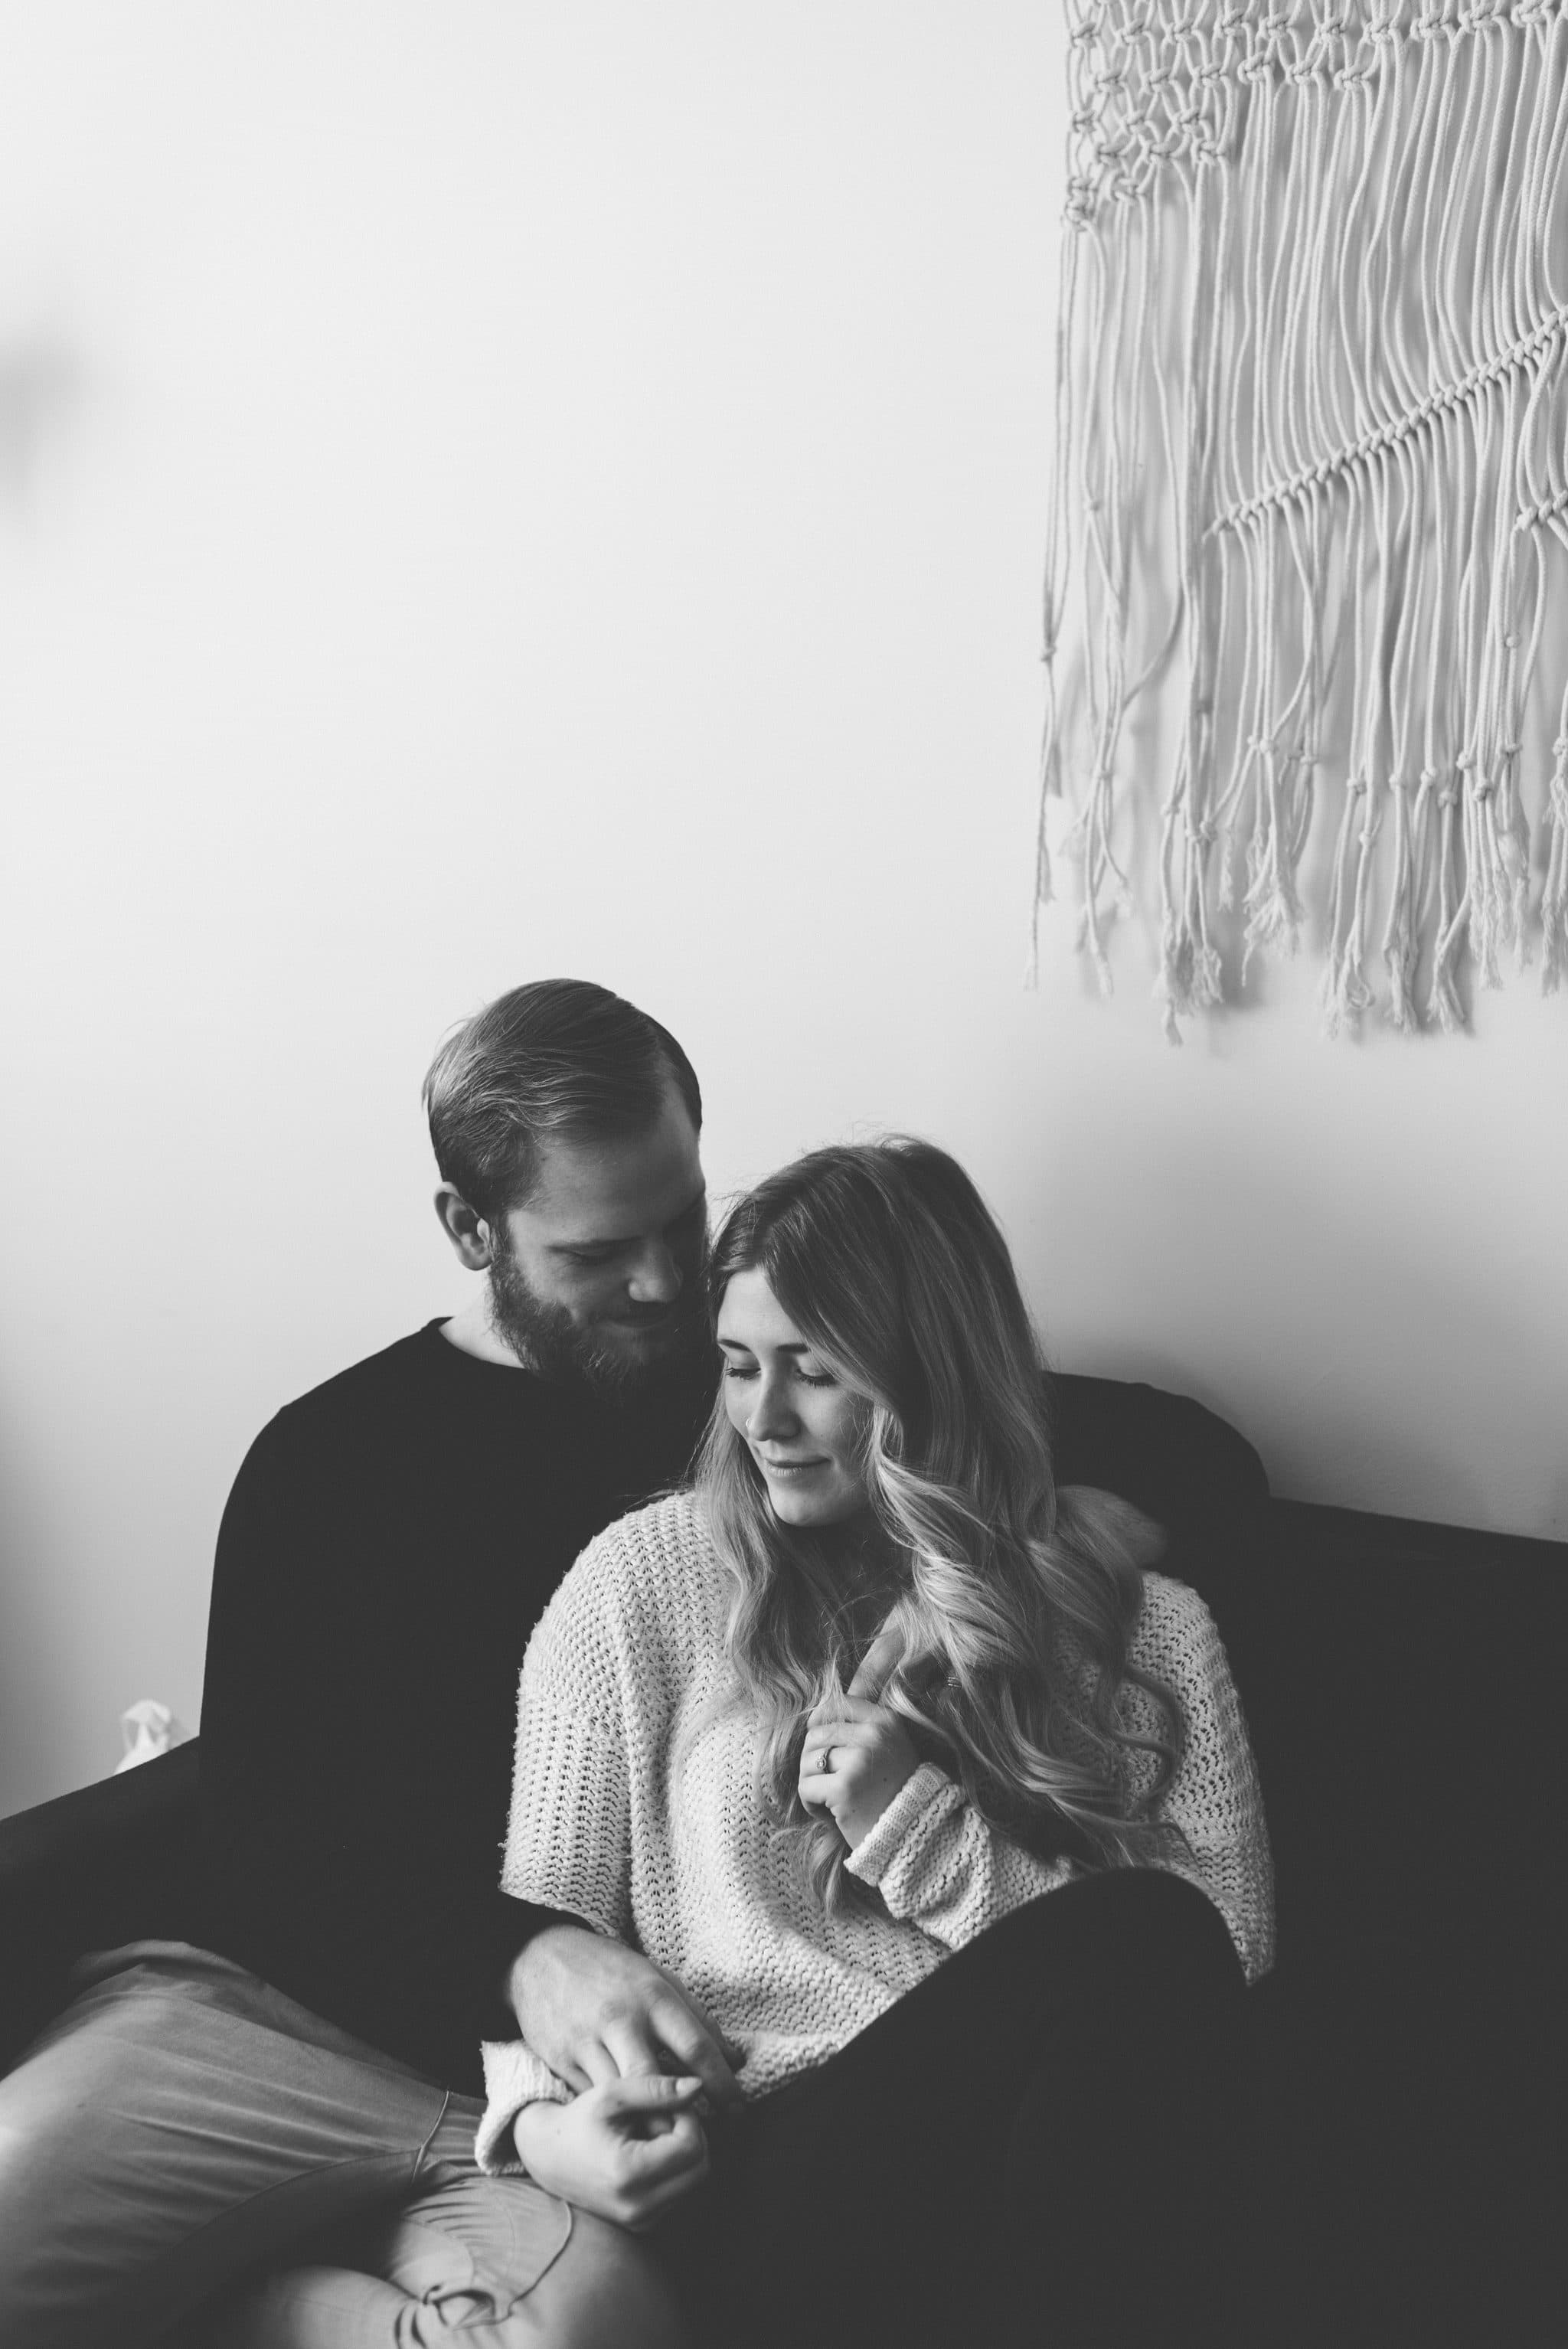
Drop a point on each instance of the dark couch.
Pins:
(1403, 1711)
(1393, 1677)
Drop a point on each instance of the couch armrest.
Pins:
(1171, 1457)
(112, 1862)
(1198, 1477)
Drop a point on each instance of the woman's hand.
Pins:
(625, 2151)
(857, 1753)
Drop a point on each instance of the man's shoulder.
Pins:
(408, 1368)
(408, 1361)
(399, 1390)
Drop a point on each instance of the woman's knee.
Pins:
(1132, 1929)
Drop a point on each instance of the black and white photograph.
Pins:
(784, 1295)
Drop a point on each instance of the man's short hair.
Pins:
(558, 1057)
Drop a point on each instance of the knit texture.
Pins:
(635, 1808)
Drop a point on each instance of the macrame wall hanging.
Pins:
(1311, 492)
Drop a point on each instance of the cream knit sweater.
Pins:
(681, 1863)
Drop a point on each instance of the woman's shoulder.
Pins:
(666, 1536)
(655, 1564)
(1175, 1637)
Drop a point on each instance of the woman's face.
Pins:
(802, 1427)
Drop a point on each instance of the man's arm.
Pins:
(334, 1870)
(596, 2011)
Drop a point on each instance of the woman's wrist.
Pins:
(926, 1796)
(533, 2132)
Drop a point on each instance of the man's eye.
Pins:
(588, 1257)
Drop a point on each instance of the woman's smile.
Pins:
(777, 1388)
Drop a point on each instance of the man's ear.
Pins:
(470, 1236)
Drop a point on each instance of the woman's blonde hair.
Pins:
(1012, 1603)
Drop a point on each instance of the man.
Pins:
(389, 1543)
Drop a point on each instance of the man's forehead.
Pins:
(615, 1186)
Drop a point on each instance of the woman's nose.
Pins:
(771, 1417)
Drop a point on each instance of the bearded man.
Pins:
(389, 1543)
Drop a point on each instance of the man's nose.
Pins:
(655, 1278)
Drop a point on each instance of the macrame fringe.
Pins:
(1312, 446)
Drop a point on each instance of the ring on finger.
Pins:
(825, 1762)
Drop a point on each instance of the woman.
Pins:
(819, 1736)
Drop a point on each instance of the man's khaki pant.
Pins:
(182, 2129)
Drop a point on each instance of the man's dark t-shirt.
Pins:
(390, 1542)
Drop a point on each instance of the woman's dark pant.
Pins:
(1048, 2142)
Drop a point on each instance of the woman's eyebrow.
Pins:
(740, 1346)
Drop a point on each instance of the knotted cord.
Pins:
(1312, 454)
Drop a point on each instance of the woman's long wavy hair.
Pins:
(1013, 1602)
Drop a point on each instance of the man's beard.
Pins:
(546, 1339)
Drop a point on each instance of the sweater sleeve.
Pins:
(939, 1865)
(1214, 1796)
(514, 2076)
(568, 1835)
(568, 1839)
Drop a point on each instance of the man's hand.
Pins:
(869, 1752)
(597, 2012)
(624, 2150)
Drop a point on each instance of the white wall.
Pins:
(490, 490)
